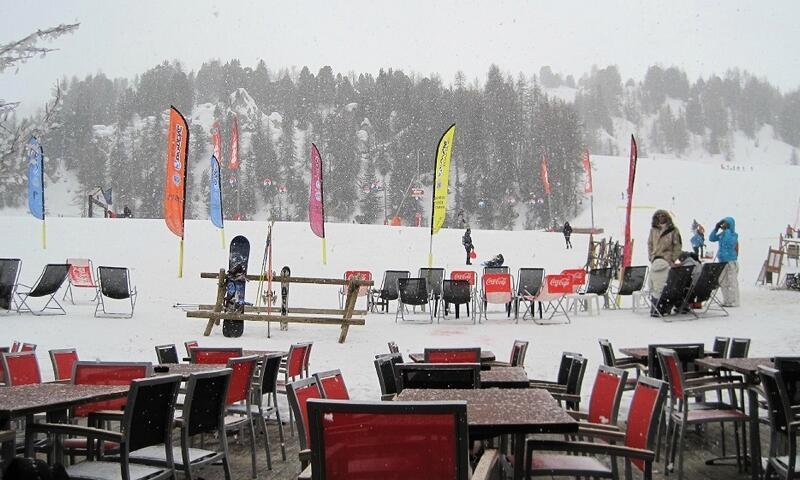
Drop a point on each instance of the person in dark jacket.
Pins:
(567, 233)
(466, 240)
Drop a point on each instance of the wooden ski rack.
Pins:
(325, 316)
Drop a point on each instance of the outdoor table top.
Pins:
(260, 353)
(745, 366)
(486, 356)
(44, 397)
(186, 369)
(640, 353)
(500, 411)
(504, 377)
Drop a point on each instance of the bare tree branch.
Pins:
(14, 53)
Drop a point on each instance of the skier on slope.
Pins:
(567, 230)
(466, 240)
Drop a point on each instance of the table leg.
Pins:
(755, 436)
(7, 452)
(519, 456)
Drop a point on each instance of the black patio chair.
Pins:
(560, 383)
(740, 348)
(438, 375)
(388, 291)
(115, 283)
(610, 359)
(147, 421)
(632, 285)
(9, 276)
(529, 283)
(720, 346)
(705, 290)
(167, 354)
(434, 277)
(782, 459)
(457, 292)
(412, 291)
(571, 396)
(47, 286)
(384, 366)
(203, 411)
(679, 281)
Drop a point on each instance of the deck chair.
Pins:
(388, 290)
(435, 279)
(596, 287)
(554, 294)
(679, 281)
(632, 285)
(457, 292)
(362, 291)
(115, 284)
(529, 283)
(412, 291)
(497, 288)
(577, 277)
(80, 276)
(9, 276)
(705, 290)
(47, 286)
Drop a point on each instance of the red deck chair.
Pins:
(299, 392)
(363, 291)
(453, 355)
(21, 368)
(214, 355)
(497, 288)
(63, 361)
(332, 385)
(80, 276)
(554, 294)
(577, 276)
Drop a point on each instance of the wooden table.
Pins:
(186, 369)
(640, 354)
(486, 356)
(748, 368)
(504, 411)
(504, 377)
(259, 353)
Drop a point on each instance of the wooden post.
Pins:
(218, 304)
(285, 274)
(352, 295)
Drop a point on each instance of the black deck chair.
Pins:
(115, 283)
(457, 292)
(9, 276)
(679, 281)
(435, 279)
(388, 290)
(633, 279)
(47, 285)
(597, 286)
(529, 283)
(438, 375)
(412, 291)
(705, 290)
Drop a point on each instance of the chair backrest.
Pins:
(453, 355)
(167, 353)
(599, 281)
(63, 361)
(214, 355)
(204, 404)
(9, 276)
(518, 351)
(50, 281)
(576, 275)
(429, 440)
(687, 353)
(15, 346)
(779, 405)
(80, 272)
(241, 378)
(609, 358)
(529, 281)
(467, 275)
(497, 287)
(644, 414)
(672, 370)
(299, 393)
(790, 372)
(707, 282)
(606, 395)
(413, 291)
(384, 366)
(296, 359)
(632, 280)
(115, 282)
(269, 373)
(721, 346)
(679, 279)
(438, 375)
(393, 348)
(28, 347)
(575, 380)
(189, 346)
(491, 270)
(555, 286)
(740, 348)
(359, 275)
(434, 277)
(332, 385)
(107, 373)
(307, 357)
(456, 291)
(21, 368)
(149, 413)
(389, 286)
(565, 366)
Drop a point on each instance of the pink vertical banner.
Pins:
(627, 253)
(216, 140)
(233, 162)
(316, 201)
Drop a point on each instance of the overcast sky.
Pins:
(123, 38)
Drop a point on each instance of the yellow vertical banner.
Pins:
(442, 178)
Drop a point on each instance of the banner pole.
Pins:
(222, 232)
(324, 252)
(44, 235)
(430, 253)
(180, 260)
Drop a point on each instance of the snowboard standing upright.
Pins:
(235, 281)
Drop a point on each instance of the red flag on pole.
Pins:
(626, 256)
(216, 140)
(587, 169)
(543, 173)
(233, 162)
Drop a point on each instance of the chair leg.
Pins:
(266, 436)
(681, 443)
(252, 444)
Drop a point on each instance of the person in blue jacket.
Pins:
(725, 233)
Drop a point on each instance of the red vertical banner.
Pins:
(626, 256)
(233, 161)
(316, 204)
(216, 141)
(175, 183)
(587, 170)
(543, 173)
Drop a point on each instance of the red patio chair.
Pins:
(80, 276)
(189, 346)
(637, 442)
(21, 368)
(63, 361)
(214, 355)
(299, 392)
(497, 288)
(239, 392)
(605, 399)
(295, 361)
(107, 373)
(453, 355)
(15, 346)
(363, 291)
(332, 385)
(28, 347)
(307, 358)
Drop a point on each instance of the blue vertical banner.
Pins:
(215, 197)
(35, 157)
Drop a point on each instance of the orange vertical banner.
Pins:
(175, 181)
